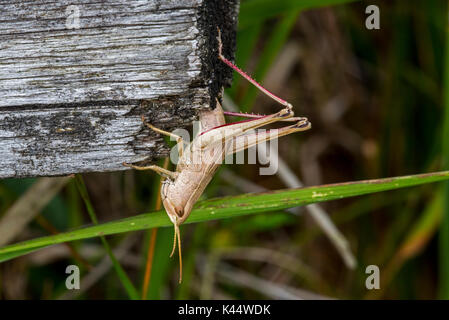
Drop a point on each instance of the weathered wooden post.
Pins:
(76, 76)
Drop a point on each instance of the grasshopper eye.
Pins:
(179, 212)
(173, 210)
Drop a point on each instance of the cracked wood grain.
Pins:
(71, 100)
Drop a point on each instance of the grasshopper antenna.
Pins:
(246, 76)
(177, 239)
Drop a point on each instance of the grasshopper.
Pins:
(201, 158)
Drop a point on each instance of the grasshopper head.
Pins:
(178, 205)
(176, 213)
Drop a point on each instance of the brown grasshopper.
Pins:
(200, 159)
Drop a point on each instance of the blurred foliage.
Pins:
(378, 106)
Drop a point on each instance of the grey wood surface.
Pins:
(72, 94)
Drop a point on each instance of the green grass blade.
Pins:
(444, 228)
(422, 231)
(256, 11)
(126, 282)
(19, 253)
(162, 264)
(234, 206)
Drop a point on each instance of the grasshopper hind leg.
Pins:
(244, 142)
